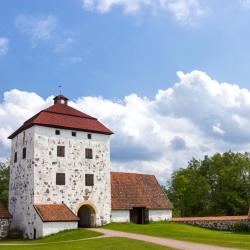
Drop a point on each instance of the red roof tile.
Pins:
(212, 218)
(64, 116)
(55, 212)
(4, 213)
(130, 190)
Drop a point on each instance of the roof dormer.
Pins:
(61, 99)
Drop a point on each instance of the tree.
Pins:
(216, 185)
(4, 181)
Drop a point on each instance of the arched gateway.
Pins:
(87, 216)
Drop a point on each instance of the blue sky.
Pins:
(113, 54)
(169, 77)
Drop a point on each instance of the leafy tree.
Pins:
(216, 185)
(4, 181)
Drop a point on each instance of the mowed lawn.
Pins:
(54, 242)
(186, 233)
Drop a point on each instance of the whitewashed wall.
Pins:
(160, 215)
(46, 228)
(75, 166)
(55, 227)
(120, 216)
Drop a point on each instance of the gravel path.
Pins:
(177, 244)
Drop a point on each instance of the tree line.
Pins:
(216, 185)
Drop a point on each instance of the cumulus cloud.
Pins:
(36, 28)
(183, 10)
(197, 116)
(4, 46)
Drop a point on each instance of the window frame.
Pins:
(15, 157)
(73, 133)
(88, 153)
(57, 132)
(89, 136)
(59, 181)
(89, 180)
(60, 151)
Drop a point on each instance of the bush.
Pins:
(241, 227)
(15, 234)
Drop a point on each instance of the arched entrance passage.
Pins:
(86, 213)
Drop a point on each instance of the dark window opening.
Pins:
(23, 136)
(57, 132)
(15, 157)
(88, 153)
(73, 133)
(89, 180)
(89, 136)
(24, 153)
(60, 179)
(34, 234)
(60, 151)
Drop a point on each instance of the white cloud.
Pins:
(4, 46)
(36, 28)
(184, 10)
(197, 116)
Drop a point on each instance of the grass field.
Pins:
(186, 233)
(54, 242)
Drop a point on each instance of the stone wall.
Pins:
(33, 180)
(4, 228)
(21, 187)
(225, 225)
(74, 193)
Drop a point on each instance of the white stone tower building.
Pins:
(60, 168)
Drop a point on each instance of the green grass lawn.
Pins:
(186, 233)
(76, 234)
(54, 242)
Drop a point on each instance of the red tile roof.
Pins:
(55, 213)
(130, 190)
(214, 218)
(64, 116)
(4, 213)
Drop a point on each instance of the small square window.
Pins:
(24, 153)
(57, 132)
(60, 179)
(89, 136)
(89, 180)
(88, 153)
(73, 133)
(60, 151)
(15, 157)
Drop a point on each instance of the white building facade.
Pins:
(55, 165)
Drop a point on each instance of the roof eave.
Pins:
(18, 131)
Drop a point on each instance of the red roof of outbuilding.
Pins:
(130, 190)
(55, 212)
(64, 116)
(4, 213)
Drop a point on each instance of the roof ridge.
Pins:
(61, 113)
